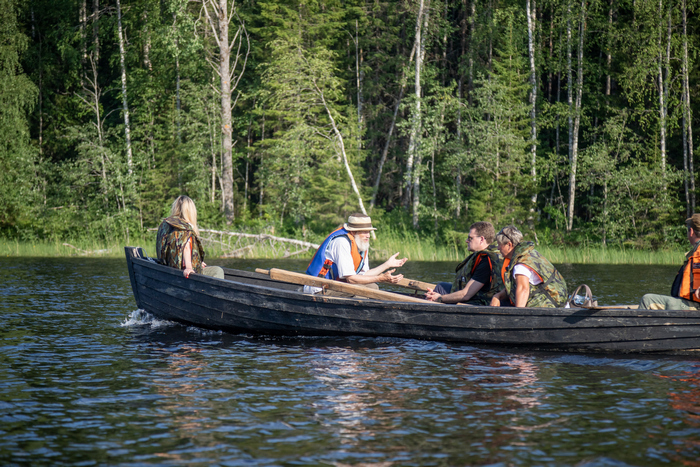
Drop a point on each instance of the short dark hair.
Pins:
(484, 229)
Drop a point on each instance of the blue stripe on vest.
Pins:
(320, 257)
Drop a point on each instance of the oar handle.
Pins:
(357, 290)
(408, 283)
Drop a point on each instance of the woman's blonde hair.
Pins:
(184, 208)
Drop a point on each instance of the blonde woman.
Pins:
(178, 244)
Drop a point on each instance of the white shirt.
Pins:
(339, 252)
(522, 270)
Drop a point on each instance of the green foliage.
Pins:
(63, 169)
(19, 184)
(498, 130)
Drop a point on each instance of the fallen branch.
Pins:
(261, 237)
(238, 253)
(84, 252)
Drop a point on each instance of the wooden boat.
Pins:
(250, 302)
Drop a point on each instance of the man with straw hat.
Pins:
(343, 256)
(685, 291)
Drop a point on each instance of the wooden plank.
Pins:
(303, 279)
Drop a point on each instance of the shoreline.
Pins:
(414, 249)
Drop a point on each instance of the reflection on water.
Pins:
(87, 379)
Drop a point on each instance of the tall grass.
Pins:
(418, 248)
(88, 248)
(611, 255)
(388, 242)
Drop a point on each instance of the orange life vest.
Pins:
(321, 266)
(506, 262)
(690, 275)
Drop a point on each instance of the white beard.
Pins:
(361, 244)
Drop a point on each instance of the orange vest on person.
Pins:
(321, 266)
(506, 263)
(688, 278)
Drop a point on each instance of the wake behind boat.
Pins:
(251, 302)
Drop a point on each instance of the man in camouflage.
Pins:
(530, 279)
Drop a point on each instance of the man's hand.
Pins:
(496, 300)
(395, 263)
(432, 295)
(696, 294)
(388, 278)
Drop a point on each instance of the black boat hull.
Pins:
(253, 303)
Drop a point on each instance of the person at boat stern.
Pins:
(684, 293)
(343, 256)
(478, 277)
(530, 279)
(178, 244)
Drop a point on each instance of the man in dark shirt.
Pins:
(478, 276)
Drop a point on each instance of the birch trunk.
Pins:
(472, 30)
(687, 111)
(219, 19)
(608, 80)
(531, 24)
(415, 123)
(357, 72)
(686, 188)
(226, 109)
(212, 145)
(178, 102)
(662, 95)
(458, 169)
(570, 99)
(420, 57)
(574, 109)
(96, 31)
(125, 102)
(82, 14)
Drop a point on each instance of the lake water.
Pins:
(86, 379)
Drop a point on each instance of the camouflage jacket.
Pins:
(465, 269)
(551, 293)
(173, 235)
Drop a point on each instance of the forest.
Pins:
(572, 119)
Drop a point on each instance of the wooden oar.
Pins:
(304, 279)
(615, 307)
(416, 285)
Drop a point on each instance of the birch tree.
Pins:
(230, 66)
(574, 105)
(688, 119)
(663, 81)
(415, 118)
(531, 25)
(416, 127)
(125, 102)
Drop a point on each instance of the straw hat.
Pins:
(357, 222)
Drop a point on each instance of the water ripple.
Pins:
(86, 379)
